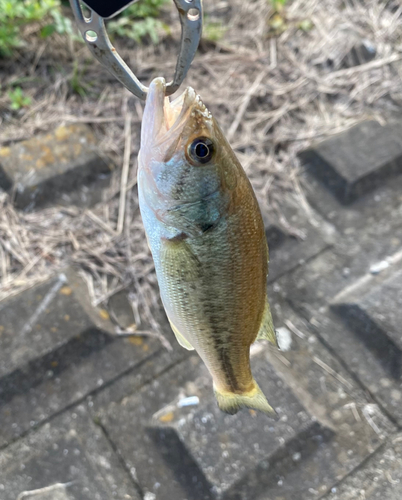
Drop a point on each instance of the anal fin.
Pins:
(181, 339)
(180, 268)
(267, 330)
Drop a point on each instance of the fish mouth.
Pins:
(164, 120)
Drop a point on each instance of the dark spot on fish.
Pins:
(206, 227)
(212, 312)
(230, 375)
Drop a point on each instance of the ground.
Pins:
(310, 100)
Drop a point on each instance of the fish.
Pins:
(206, 234)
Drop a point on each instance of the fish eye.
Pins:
(201, 150)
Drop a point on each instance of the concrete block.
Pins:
(379, 479)
(184, 447)
(68, 458)
(374, 313)
(55, 348)
(61, 167)
(358, 160)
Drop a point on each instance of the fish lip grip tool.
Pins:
(94, 33)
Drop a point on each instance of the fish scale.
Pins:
(207, 238)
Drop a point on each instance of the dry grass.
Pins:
(272, 93)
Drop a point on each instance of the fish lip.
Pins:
(164, 120)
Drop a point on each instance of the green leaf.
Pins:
(47, 30)
(213, 31)
(136, 22)
(15, 14)
(306, 25)
(18, 99)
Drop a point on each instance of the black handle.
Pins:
(107, 8)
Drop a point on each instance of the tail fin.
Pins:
(231, 403)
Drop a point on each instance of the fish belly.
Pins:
(213, 288)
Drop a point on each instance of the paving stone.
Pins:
(375, 361)
(192, 454)
(375, 315)
(288, 251)
(274, 233)
(362, 361)
(55, 348)
(134, 380)
(328, 426)
(331, 395)
(67, 459)
(43, 318)
(365, 333)
(196, 451)
(369, 232)
(370, 236)
(376, 211)
(217, 446)
(358, 160)
(379, 479)
(61, 167)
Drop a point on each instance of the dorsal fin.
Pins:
(267, 331)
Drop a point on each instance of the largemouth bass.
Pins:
(207, 239)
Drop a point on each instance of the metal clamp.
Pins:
(94, 33)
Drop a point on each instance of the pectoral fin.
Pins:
(179, 262)
(180, 338)
(267, 331)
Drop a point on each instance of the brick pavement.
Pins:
(87, 415)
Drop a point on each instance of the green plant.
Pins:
(140, 20)
(277, 21)
(145, 8)
(77, 84)
(213, 31)
(61, 24)
(306, 25)
(18, 99)
(136, 22)
(15, 14)
(278, 5)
